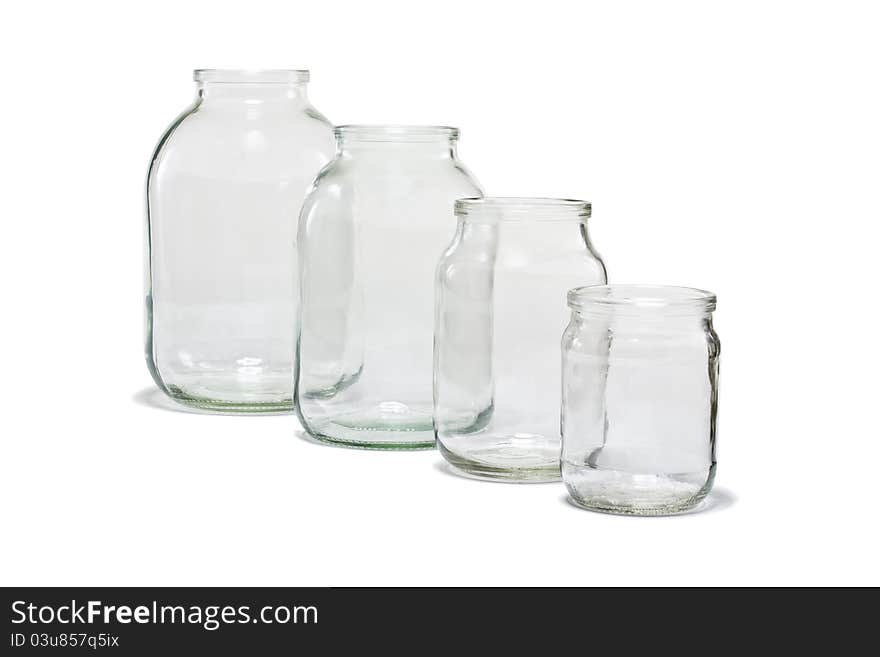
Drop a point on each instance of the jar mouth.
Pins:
(396, 133)
(512, 208)
(668, 299)
(245, 76)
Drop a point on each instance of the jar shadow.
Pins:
(152, 397)
(304, 435)
(718, 499)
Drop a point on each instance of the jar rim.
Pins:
(396, 133)
(642, 298)
(251, 76)
(522, 208)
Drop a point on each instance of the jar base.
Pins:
(232, 399)
(625, 493)
(374, 444)
(521, 458)
(383, 426)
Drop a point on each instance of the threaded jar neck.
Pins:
(351, 135)
(269, 87)
(243, 76)
(492, 209)
(642, 301)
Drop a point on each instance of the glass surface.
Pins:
(224, 192)
(640, 398)
(500, 310)
(371, 231)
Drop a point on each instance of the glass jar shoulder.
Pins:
(327, 189)
(165, 144)
(361, 168)
(203, 139)
(561, 252)
(346, 181)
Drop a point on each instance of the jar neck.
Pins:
(641, 322)
(391, 142)
(530, 236)
(642, 306)
(396, 150)
(525, 211)
(252, 94)
(538, 230)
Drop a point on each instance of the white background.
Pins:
(730, 146)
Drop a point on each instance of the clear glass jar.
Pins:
(500, 309)
(640, 397)
(224, 192)
(371, 231)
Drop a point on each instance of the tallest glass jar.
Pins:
(223, 197)
(371, 231)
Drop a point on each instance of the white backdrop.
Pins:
(729, 146)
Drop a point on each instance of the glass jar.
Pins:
(371, 231)
(640, 397)
(224, 192)
(500, 309)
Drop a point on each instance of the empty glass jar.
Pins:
(371, 231)
(500, 310)
(640, 397)
(223, 197)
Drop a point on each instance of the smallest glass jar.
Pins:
(639, 398)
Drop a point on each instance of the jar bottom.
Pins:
(520, 457)
(385, 425)
(230, 393)
(626, 493)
